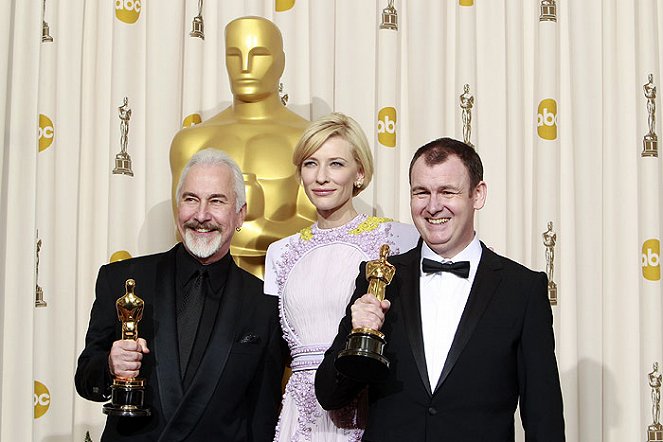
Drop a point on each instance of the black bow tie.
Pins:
(460, 268)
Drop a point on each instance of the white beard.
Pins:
(200, 247)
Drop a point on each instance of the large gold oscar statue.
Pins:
(260, 134)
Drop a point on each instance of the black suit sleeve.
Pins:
(265, 393)
(93, 377)
(540, 392)
(333, 389)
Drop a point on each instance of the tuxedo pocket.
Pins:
(248, 343)
(249, 338)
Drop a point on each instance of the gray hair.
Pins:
(216, 157)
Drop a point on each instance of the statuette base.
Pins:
(127, 397)
(46, 33)
(363, 358)
(552, 293)
(649, 146)
(197, 30)
(655, 434)
(123, 164)
(39, 300)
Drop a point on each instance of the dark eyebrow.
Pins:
(219, 196)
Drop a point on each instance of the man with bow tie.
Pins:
(209, 344)
(469, 332)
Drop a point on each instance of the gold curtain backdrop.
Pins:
(555, 95)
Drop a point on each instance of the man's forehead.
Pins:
(449, 171)
(211, 173)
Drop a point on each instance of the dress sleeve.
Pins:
(405, 236)
(274, 251)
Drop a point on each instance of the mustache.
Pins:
(196, 225)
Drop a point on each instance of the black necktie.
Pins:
(188, 317)
(460, 268)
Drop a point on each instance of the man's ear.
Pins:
(479, 195)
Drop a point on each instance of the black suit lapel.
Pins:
(197, 397)
(485, 284)
(407, 274)
(165, 336)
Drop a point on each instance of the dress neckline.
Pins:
(353, 223)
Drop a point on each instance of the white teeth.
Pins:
(202, 230)
(438, 220)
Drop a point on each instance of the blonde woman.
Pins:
(313, 272)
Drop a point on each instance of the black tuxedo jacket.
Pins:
(502, 352)
(236, 391)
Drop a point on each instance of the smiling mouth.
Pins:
(438, 221)
(323, 191)
(201, 228)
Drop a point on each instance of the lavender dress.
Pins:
(313, 273)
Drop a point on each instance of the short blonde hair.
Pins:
(339, 125)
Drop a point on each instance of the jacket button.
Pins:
(432, 411)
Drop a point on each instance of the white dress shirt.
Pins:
(443, 299)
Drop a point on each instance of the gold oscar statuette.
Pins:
(127, 394)
(260, 133)
(363, 359)
(655, 430)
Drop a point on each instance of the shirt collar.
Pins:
(471, 253)
(188, 266)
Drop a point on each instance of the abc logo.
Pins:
(387, 126)
(651, 259)
(46, 132)
(127, 11)
(42, 399)
(120, 255)
(284, 5)
(192, 120)
(546, 119)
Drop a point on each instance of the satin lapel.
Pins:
(165, 336)
(408, 275)
(485, 284)
(197, 397)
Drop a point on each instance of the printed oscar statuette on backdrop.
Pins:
(650, 140)
(655, 430)
(363, 359)
(123, 159)
(549, 241)
(127, 394)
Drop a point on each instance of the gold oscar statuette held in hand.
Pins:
(363, 359)
(127, 394)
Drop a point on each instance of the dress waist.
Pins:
(307, 357)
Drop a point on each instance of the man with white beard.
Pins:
(209, 343)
